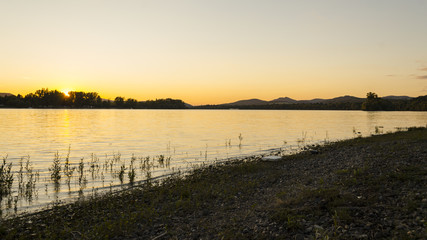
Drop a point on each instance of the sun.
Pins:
(66, 92)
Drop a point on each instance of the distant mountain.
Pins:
(287, 100)
(345, 98)
(315, 100)
(397, 97)
(283, 100)
(6, 94)
(247, 102)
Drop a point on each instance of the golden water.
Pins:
(188, 137)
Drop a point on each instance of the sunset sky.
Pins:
(217, 51)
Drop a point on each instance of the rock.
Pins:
(312, 151)
(317, 227)
(271, 158)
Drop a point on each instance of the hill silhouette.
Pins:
(387, 103)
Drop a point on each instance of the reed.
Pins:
(55, 170)
(21, 176)
(131, 173)
(163, 161)
(121, 173)
(30, 185)
(94, 166)
(68, 169)
(82, 177)
(6, 178)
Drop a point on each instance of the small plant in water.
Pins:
(131, 173)
(161, 160)
(228, 142)
(68, 170)
(94, 166)
(30, 186)
(6, 178)
(240, 140)
(80, 170)
(55, 170)
(122, 173)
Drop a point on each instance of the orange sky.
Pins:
(210, 52)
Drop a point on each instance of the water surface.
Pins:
(109, 139)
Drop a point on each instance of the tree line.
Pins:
(375, 103)
(45, 98)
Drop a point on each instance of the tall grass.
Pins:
(55, 170)
(68, 169)
(6, 178)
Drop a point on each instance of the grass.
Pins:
(304, 194)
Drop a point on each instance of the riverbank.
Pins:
(365, 188)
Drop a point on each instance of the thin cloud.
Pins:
(422, 77)
(424, 69)
(390, 75)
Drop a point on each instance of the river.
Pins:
(101, 145)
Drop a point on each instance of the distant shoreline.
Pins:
(195, 109)
(45, 98)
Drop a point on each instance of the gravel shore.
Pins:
(364, 188)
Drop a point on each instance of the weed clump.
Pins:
(131, 173)
(6, 178)
(55, 170)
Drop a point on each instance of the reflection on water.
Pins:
(100, 149)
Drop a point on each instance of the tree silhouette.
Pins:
(372, 102)
(119, 101)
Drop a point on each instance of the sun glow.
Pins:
(66, 92)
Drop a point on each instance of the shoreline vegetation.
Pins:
(45, 98)
(362, 188)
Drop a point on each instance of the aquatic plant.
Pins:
(121, 173)
(30, 185)
(228, 142)
(55, 170)
(131, 173)
(240, 140)
(161, 160)
(68, 170)
(21, 176)
(94, 166)
(144, 163)
(6, 178)
(80, 170)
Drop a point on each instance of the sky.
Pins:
(216, 51)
